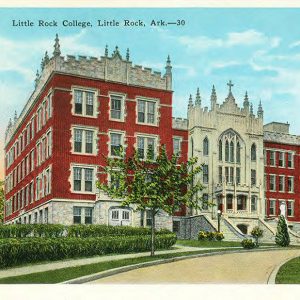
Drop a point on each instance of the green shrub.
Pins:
(248, 244)
(202, 235)
(256, 233)
(84, 231)
(282, 237)
(19, 251)
(210, 235)
(219, 236)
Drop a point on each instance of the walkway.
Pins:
(251, 267)
(42, 267)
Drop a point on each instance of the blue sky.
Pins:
(258, 49)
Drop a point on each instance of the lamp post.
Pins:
(219, 217)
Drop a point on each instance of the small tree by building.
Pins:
(282, 237)
(257, 233)
(153, 184)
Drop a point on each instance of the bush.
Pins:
(248, 244)
(282, 237)
(210, 235)
(19, 251)
(257, 233)
(84, 231)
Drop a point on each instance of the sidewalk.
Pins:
(17, 271)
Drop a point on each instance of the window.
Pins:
(290, 208)
(83, 179)
(253, 203)
(227, 174)
(115, 144)
(35, 218)
(241, 202)
(290, 160)
(281, 159)
(46, 215)
(227, 151)
(84, 102)
(272, 159)
(125, 215)
(220, 174)
(146, 147)
(238, 175)
(229, 201)
(205, 146)
(76, 215)
(115, 214)
(176, 145)
(176, 226)
(84, 141)
(146, 112)
(272, 182)
(88, 215)
(290, 183)
(253, 177)
(220, 150)
(231, 151)
(40, 216)
(238, 152)
(205, 202)
(281, 183)
(231, 174)
(253, 152)
(272, 207)
(205, 173)
(148, 218)
(116, 107)
(49, 144)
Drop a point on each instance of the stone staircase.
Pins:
(230, 231)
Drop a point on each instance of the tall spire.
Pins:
(168, 65)
(127, 54)
(198, 98)
(56, 51)
(213, 97)
(260, 112)
(246, 101)
(190, 105)
(106, 51)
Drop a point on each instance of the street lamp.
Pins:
(219, 217)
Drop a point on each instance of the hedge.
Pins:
(53, 230)
(20, 251)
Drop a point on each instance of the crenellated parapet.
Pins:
(113, 68)
(180, 123)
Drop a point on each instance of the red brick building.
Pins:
(282, 172)
(81, 111)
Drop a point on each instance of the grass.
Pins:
(289, 273)
(208, 244)
(65, 274)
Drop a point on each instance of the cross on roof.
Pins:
(230, 84)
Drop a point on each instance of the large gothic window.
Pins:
(220, 150)
(227, 151)
(253, 152)
(238, 152)
(205, 146)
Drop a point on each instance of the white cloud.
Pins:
(294, 44)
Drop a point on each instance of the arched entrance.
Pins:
(243, 228)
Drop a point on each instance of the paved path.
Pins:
(251, 267)
(84, 261)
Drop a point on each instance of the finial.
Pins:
(198, 98)
(260, 112)
(56, 51)
(42, 64)
(106, 51)
(230, 84)
(213, 96)
(246, 101)
(15, 117)
(190, 105)
(127, 54)
(46, 58)
(251, 109)
(168, 66)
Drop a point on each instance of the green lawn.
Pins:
(289, 272)
(65, 274)
(208, 244)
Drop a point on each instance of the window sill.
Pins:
(122, 120)
(83, 193)
(85, 154)
(147, 124)
(84, 116)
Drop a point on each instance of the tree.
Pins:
(153, 183)
(2, 200)
(282, 237)
(257, 233)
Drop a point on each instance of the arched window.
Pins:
(226, 151)
(220, 150)
(205, 146)
(253, 152)
(231, 151)
(238, 152)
